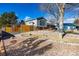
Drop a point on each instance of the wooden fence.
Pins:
(22, 28)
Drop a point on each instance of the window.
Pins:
(42, 22)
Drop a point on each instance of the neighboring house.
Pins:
(38, 22)
(69, 26)
(76, 22)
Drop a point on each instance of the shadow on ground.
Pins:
(30, 47)
(5, 35)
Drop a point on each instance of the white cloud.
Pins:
(69, 20)
(27, 18)
(76, 9)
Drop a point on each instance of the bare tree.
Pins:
(57, 10)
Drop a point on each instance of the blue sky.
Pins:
(28, 10)
(22, 10)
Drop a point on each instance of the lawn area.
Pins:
(71, 38)
(71, 41)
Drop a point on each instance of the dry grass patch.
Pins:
(71, 40)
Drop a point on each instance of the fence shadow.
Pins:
(30, 50)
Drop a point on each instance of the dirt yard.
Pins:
(42, 43)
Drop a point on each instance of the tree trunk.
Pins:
(61, 19)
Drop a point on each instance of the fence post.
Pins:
(2, 48)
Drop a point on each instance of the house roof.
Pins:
(69, 24)
(30, 20)
(39, 18)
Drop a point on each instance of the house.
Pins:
(38, 22)
(69, 26)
